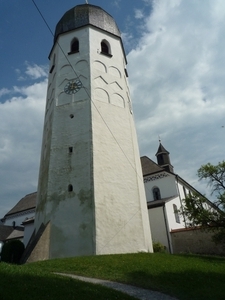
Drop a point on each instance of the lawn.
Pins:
(183, 276)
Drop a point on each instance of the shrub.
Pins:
(12, 251)
(158, 247)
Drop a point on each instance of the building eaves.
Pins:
(161, 202)
(17, 233)
(5, 231)
(28, 221)
(149, 166)
(26, 203)
(185, 183)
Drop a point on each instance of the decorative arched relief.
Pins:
(100, 66)
(66, 70)
(63, 99)
(63, 83)
(101, 95)
(100, 82)
(117, 100)
(115, 86)
(114, 72)
(50, 95)
(81, 65)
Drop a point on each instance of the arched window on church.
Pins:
(74, 46)
(156, 193)
(176, 213)
(105, 48)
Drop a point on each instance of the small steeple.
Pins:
(163, 158)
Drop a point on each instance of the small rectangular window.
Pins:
(52, 68)
(70, 149)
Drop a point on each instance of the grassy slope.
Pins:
(186, 277)
(19, 283)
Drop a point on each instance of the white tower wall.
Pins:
(89, 142)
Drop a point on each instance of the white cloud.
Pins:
(35, 71)
(21, 122)
(177, 79)
(32, 71)
(4, 91)
(138, 14)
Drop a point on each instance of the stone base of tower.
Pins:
(38, 249)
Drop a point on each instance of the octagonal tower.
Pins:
(91, 198)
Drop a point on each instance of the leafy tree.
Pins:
(12, 251)
(199, 211)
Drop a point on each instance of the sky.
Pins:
(175, 53)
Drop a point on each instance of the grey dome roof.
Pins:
(86, 14)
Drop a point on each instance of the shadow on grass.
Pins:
(18, 286)
(186, 285)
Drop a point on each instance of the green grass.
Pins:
(20, 282)
(183, 276)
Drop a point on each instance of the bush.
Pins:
(12, 251)
(158, 247)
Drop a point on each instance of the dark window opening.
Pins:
(185, 193)
(105, 49)
(74, 46)
(156, 193)
(70, 149)
(53, 65)
(52, 68)
(70, 188)
(71, 116)
(176, 213)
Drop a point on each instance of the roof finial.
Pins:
(86, 1)
(159, 139)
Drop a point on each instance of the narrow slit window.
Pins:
(176, 213)
(70, 149)
(53, 65)
(70, 188)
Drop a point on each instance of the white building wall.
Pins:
(28, 231)
(164, 181)
(121, 218)
(172, 223)
(106, 211)
(18, 219)
(71, 214)
(158, 226)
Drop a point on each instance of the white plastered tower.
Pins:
(91, 197)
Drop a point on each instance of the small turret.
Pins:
(163, 158)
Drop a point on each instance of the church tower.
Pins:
(91, 197)
(163, 158)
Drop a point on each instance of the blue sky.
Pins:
(175, 53)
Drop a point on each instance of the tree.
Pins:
(199, 211)
(12, 251)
